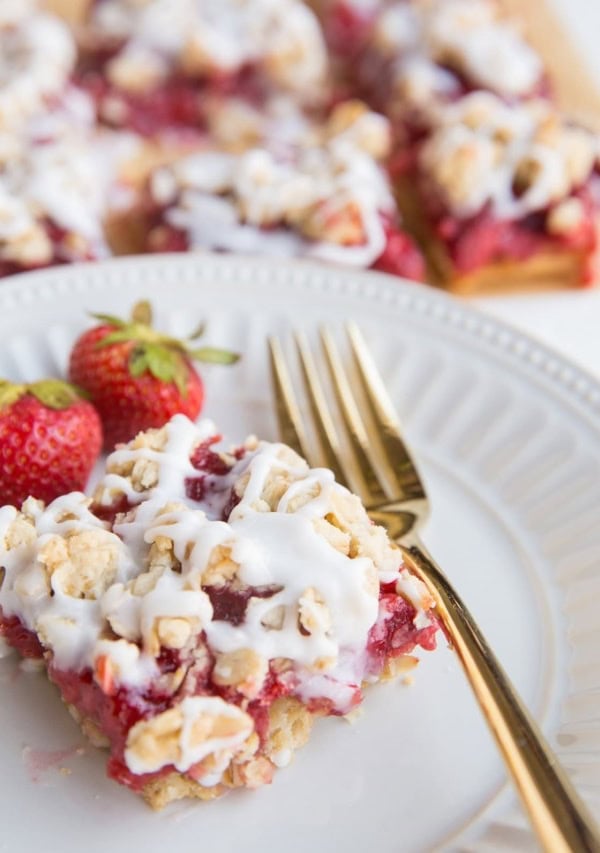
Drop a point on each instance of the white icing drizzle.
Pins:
(483, 148)
(319, 609)
(222, 36)
(234, 123)
(56, 179)
(172, 461)
(319, 200)
(465, 34)
(190, 751)
(56, 167)
(37, 56)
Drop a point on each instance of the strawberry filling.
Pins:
(19, 637)
(483, 239)
(59, 238)
(347, 29)
(114, 710)
(175, 104)
(400, 256)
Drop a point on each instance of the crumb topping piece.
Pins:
(513, 158)
(215, 37)
(203, 732)
(434, 44)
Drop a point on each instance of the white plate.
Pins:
(509, 440)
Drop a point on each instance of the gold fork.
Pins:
(395, 497)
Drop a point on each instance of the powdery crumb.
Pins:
(31, 665)
(354, 715)
(5, 650)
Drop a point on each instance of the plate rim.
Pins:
(540, 362)
(543, 360)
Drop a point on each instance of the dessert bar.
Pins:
(320, 193)
(205, 607)
(506, 196)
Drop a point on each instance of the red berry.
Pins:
(50, 439)
(136, 377)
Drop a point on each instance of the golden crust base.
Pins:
(550, 269)
(290, 724)
(289, 727)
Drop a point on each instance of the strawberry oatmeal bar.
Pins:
(59, 174)
(250, 136)
(52, 200)
(321, 194)
(409, 59)
(507, 194)
(205, 607)
(151, 66)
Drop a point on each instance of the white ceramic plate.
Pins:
(509, 440)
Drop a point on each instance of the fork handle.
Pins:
(558, 815)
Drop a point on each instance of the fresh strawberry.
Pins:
(50, 438)
(137, 377)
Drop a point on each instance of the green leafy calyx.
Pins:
(52, 393)
(162, 356)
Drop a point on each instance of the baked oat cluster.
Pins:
(58, 171)
(497, 185)
(156, 40)
(417, 137)
(513, 160)
(437, 50)
(204, 607)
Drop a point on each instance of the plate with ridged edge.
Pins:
(508, 437)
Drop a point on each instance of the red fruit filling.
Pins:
(400, 257)
(210, 484)
(483, 239)
(347, 29)
(110, 512)
(19, 637)
(176, 104)
(62, 255)
(114, 710)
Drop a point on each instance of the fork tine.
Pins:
(386, 420)
(353, 420)
(288, 412)
(341, 465)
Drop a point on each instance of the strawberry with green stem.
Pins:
(50, 438)
(138, 377)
